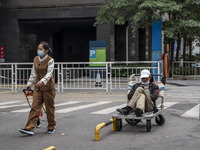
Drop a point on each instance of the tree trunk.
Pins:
(172, 41)
(149, 42)
(172, 49)
(190, 51)
(178, 48)
(184, 48)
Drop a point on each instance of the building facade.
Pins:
(68, 27)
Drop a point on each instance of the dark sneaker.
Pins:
(25, 131)
(138, 112)
(124, 110)
(50, 131)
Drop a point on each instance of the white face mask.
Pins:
(145, 83)
(40, 53)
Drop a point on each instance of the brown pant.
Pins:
(141, 100)
(46, 97)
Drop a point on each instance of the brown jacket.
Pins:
(41, 71)
(153, 88)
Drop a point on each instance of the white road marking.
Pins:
(67, 103)
(22, 110)
(6, 103)
(167, 104)
(112, 109)
(61, 104)
(108, 110)
(9, 106)
(192, 113)
(66, 110)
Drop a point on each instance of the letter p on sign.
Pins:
(92, 53)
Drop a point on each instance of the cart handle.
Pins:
(26, 90)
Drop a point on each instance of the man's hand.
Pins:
(40, 84)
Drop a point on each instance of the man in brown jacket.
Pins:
(141, 96)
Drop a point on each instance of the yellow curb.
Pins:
(5, 92)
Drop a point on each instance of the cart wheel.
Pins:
(132, 121)
(148, 125)
(160, 119)
(119, 124)
(38, 123)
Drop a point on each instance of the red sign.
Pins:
(2, 53)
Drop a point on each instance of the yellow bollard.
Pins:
(97, 131)
(50, 148)
(114, 124)
(99, 126)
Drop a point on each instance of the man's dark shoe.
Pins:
(50, 131)
(26, 131)
(124, 110)
(138, 112)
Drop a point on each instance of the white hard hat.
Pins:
(145, 73)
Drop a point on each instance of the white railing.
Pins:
(78, 75)
(186, 69)
(121, 71)
(84, 75)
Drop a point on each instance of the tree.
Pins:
(180, 17)
(141, 12)
(183, 23)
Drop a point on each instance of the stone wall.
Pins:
(48, 3)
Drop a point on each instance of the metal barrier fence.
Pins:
(84, 75)
(15, 76)
(78, 75)
(186, 69)
(121, 71)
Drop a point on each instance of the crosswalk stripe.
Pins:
(61, 104)
(9, 106)
(112, 109)
(168, 104)
(6, 103)
(108, 110)
(192, 113)
(66, 110)
(22, 110)
(67, 103)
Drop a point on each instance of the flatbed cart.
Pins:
(132, 119)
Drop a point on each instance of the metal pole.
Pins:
(15, 78)
(195, 72)
(173, 70)
(126, 43)
(158, 71)
(62, 80)
(58, 78)
(106, 78)
(12, 77)
(110, 77)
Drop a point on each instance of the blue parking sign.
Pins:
(92, 53)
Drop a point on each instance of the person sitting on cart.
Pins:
(141, 96)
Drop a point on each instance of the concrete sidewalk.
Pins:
(183, 82)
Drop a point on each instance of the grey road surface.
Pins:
(77, 115)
